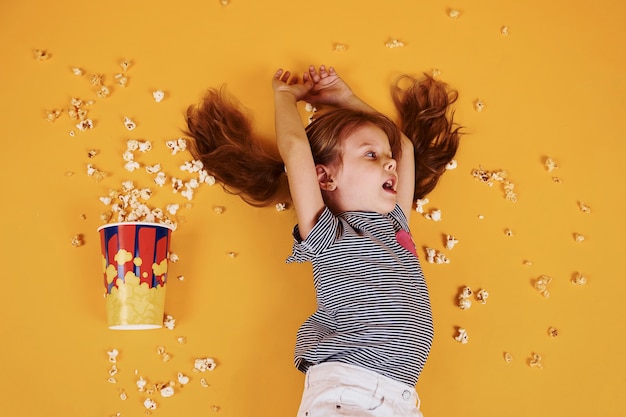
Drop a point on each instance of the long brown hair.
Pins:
(425, 118)
(221, 137)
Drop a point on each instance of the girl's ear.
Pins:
(324, 178)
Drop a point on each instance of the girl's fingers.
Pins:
(313, 73)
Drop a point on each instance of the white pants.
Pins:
(334, 389)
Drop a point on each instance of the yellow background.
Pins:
(554, 87)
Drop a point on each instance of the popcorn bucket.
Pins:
(134, 264)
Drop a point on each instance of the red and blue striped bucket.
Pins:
(134, 266)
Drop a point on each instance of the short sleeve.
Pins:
(321, 237)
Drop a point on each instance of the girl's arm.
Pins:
(295, 150)
(330, 89)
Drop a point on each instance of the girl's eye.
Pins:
(370, 154)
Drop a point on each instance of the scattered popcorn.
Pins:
(461, 336)
(219, 209)
(113, 354)
(584, 208)
(129, 124)
(77, 71)
(182, 340)
(526, 262)
(122, 80)
(141, 384)
(204, 364)
(508, 232)
(479, 105)
(150, 404)
(96, 80)
(158, 95)
(173, 257)
(106, 216)
(77, 241)
(92, 153)
(281, 206)
(177, 184)
(153, 169)
(166, 391)
(464, 298)
(579, 238)
(103, 92)
(535, 361)
(339, 47)
(187, 193)
(123, 395)
(176, 145)
(204, 383)
(434, 215)
(41, 55)
(113, 371)
(451, 241)
(436, 257)
(84, 125)
(553, 332)
(451, 165)
(310, 108)
(541, 285)
(394, 43)
(125, 64)
(232, 255)
(224, 2)
(204, 177)
(490, 177)
(551, 164)
(112, 380)
(169, 322)
(52, 115)
(144, 146)
(436, 72)
(504, 30)
(482, 296)
(182, 379)
(160, 179)
(481, 217)
(557, 180)
(95, 173)
(453, 13)
(172, 209)
(420, 203)
(130, 166)
(508, 358)
(579, 279)
(192, 166)
(215, 408)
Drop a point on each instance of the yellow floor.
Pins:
(553, 87)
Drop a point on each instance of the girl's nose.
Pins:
(391, 164)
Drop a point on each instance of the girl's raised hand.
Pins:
(284, 81)
(328, 87)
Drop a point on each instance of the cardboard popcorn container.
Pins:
(134, 265)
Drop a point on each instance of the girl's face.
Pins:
(366, 180)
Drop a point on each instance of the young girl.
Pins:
(353, 178)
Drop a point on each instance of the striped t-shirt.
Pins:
(373, 308)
